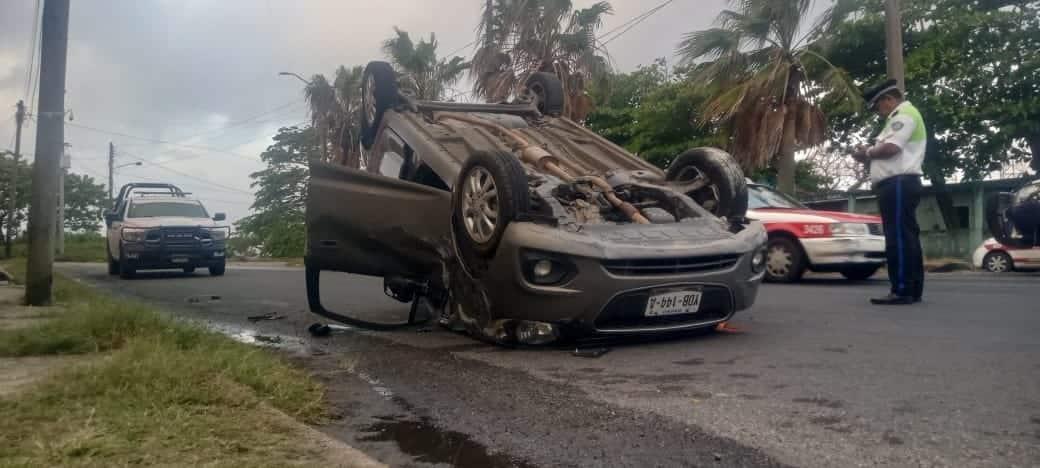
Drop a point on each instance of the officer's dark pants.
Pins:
(898, 197)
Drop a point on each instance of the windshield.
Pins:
(164, 209)
(764, 197)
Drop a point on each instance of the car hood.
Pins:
(809, 216)
(167, 222)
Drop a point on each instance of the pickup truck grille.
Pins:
(669, 266)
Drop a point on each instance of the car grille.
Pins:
(626, 310)
(182, 238)
(876, 229)
(669, 266)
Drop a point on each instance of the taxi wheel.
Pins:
(785, 261)
(998, 262)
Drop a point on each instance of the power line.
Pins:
(242, 122)
(185, 174)
(633, 23)
(96, 174)
(158, 142)
(32, 54)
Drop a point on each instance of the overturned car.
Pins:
(518, 225)
(1014, 217)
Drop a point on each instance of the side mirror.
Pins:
(219, 216)
(111, 217)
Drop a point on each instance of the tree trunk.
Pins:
(785, 165)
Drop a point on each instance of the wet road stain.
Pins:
(591, 370)
(727, 362)
(750, 397)
(1035, 419)
(826, 420)
(821, 402)
(904, 407)
(837, 350)
(690, 362)
(430, 444)
(743, 375)
(891, 439)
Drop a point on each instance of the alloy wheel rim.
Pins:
(707, 196)
(997, 264)
(370, 101)
(779, 261)
(480, 210)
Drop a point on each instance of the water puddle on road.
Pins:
(430, 444)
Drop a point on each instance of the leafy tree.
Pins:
(757, 70)
(277, 225)
(520, 38)
(85, 202)
(972, 68)
(7, 168)
(419, 68)
(335, 115)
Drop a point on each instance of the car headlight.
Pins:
(134, 234)
(849, 229)
(219, 233)
(758, 260)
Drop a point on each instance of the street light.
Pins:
(298, 77)
(138, 163)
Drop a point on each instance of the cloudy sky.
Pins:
(203, 74)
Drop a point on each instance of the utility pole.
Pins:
(12, 189)
(111, 169)
(894, 42)
(59, 227)
(50, 142)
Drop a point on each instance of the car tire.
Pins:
(189, 270)
(860, 273)
(113, 264)
(218, 269)
(126, 270)
(548, 93)
(998, 262)
(785, 260)
(379, 92)
(490, 184)
(724, 191)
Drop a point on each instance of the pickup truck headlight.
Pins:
(134, 234)
(219, 233)
(849, 229)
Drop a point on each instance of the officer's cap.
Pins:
(873, 94)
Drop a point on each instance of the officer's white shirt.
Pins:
(901, 129)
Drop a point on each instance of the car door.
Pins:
(371, 222)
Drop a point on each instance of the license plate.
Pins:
(179, 260)
(673, 303)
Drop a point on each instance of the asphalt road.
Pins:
(816, 377)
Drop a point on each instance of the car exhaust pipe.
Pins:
(542, 160)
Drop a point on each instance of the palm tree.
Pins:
(521, 37)
(419, 68)
(757, 65)
(334, 113)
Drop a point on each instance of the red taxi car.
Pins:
(801, 238)
(995, 257)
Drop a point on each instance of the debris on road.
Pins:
(201, 298)
(267, 316)
(590, 352)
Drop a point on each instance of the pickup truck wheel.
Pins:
(126, 270)
(189, 270)
(859, 273)
(785, 261)
(379, 92)
(548, 93)
(713, 179)
(113, 265)
(490, 192)
(218, 269)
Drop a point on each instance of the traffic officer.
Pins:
(895, 162)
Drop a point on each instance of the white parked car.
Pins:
(998, 258)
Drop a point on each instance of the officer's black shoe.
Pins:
(893, 299)
(917, 299)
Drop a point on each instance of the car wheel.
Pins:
(859, 273)
(997, 262)
(189, 270)
(548, 93)
(713, 179)
(218, 269)
(785, 261)
(379, 92)
(489, 194)
(126, 270)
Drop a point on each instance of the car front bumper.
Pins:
(834, 252)
(602, 297)
(146, 255)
